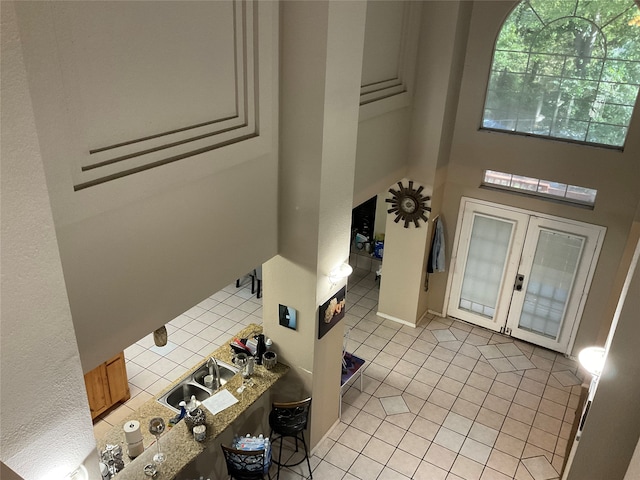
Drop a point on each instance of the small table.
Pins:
(353, 368)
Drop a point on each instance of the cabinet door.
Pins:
(117, 378)
(97, 390)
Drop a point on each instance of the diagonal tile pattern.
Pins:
(446, 400)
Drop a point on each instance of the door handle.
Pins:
(519, 282)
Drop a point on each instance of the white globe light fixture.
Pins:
(340, 272)
(592, 359)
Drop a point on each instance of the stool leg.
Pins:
(306, 454)
(279, 459)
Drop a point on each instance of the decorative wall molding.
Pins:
(111, 156)
(401, 63)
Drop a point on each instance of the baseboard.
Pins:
(395, 319)
(326, 435)
(404, 322)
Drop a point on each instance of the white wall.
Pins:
(139, 249)
(443, 32)
(44, 404)
(443, 39)
(613, 418)
(381, 158)
(633, 472)
(388, 75)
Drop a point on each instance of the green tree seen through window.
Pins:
(567, 69)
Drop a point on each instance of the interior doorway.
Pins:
(368, 221)
(363, 226)
(522, 273)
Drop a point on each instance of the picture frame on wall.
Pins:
(288, 317)
(331, 312)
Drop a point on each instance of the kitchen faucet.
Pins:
(212, 365)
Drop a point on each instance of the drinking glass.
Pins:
(156, 427)
(241, 362)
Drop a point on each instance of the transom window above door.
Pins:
(566, 69)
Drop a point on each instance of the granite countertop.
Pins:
(178, 442)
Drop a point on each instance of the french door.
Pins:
(522, 273)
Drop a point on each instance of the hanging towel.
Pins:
(437, 255)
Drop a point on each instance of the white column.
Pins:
(322, 45)
(403, 271)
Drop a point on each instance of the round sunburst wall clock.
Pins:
(408, 204)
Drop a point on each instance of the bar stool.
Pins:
(256, 281)
(289, 420)
(246, 464)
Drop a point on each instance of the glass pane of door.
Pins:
(512, 268)
(553, 270)
(486, 259)
(557, 264)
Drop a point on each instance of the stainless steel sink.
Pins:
(226, 373)
(194, 385)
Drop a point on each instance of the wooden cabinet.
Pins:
(107, 385)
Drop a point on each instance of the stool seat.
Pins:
(289, 420)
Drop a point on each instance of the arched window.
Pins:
(567, 69)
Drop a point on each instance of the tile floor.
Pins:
(444, 401)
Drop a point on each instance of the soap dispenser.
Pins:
(183, 411)
(195, 415)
